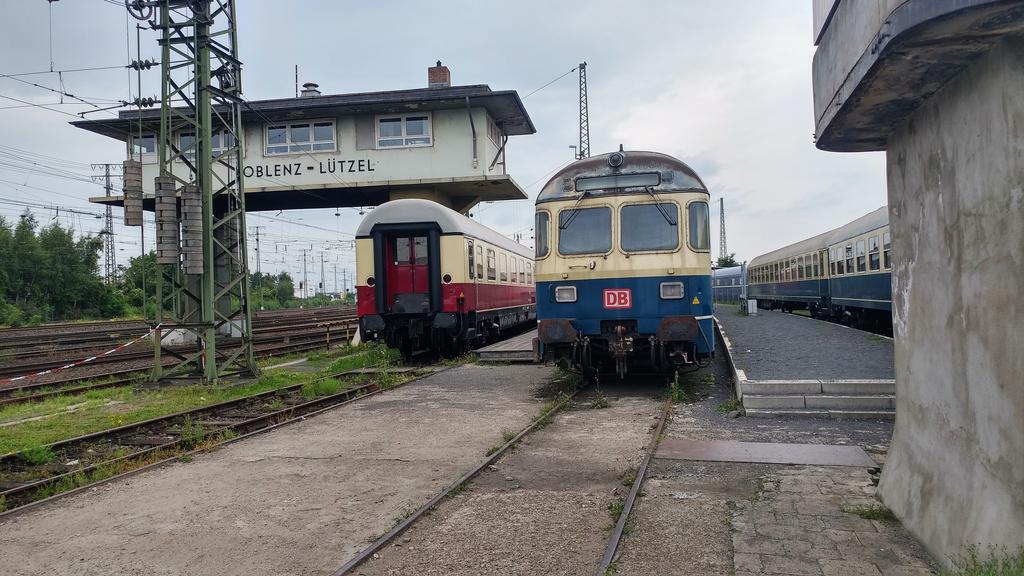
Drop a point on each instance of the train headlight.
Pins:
(671, 290)
(565, 294)
(447, 278)
(370, 281)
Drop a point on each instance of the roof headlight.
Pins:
(565, 294)
(671, 290)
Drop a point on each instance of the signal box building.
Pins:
(444, 143)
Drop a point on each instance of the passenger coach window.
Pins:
(529, 273)
(420, 244)
(522, 271)
(469, 250)
(480, 262)
(503, 268)
(585, 230)
(541, 232)
(401, 251)
(887, 250)
(647, 227)
(873, 260)
(832, 261)
(700, 229)
(862, 265)
(849, 259)
(491, 271)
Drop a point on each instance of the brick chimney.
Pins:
(439, 76)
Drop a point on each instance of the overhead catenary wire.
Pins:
(551, 82)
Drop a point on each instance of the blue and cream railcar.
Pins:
(727, 284)
(844, 273)
(624, 265)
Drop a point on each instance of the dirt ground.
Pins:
(544, 508)
(300, 500)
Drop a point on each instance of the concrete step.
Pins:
(506, 356)
(817, 413)
(857, 402)
(839, 387)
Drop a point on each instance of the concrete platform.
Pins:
(787, 364)
(515, 349)
(764, 453)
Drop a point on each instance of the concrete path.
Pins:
(783, 346)
(300, 500)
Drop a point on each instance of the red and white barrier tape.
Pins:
(79, 362)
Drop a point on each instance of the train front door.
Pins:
(408, 283)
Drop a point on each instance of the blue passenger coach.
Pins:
(624, 265)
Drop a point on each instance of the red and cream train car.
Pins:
(431, 278)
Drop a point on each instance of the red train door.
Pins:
(408, 270)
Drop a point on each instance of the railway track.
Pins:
(60, 468)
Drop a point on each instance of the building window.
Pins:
(404, 131)
(300, 137)
(874, 262)
(491, 270)
(145, 144)
(221, 141)
(493, 132)
(862, 265)
(887, 250)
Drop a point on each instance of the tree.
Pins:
(285, 289)
(727, 261)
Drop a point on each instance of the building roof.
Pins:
(674, 175)
(866, 223)
(416, 210)
(504, 106)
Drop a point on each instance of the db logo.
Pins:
(618, 298)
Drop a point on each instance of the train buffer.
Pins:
(515, 349)
(790, 365)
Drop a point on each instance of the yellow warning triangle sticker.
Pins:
(696, 300)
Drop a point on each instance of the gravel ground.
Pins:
(300, 500)
(544, 508)
(781, 346)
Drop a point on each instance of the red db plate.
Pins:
(618, 298)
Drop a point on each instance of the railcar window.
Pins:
(887, 250)
(401, 250)
(862, 265)
(832, 261)
(815, 268)
(645, 227)
(480, 262)
(529, 273)
(700, 228)
(585, 230)
(849, 259)
(503, 268)
(873, 256)
(522, 271)
(472, 267)
(420, 246)
(840, 263)
(491, 270)
(541, 232)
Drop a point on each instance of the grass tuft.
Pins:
(871, 512)
(192, 433)
(36, 455)
(3, 503)
(599, 401)
(319, 388)
(996, 562)
(507, 435)
(615, 508)
(729, 405)
(629, 478)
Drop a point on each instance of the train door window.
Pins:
(420, 249)
(700, 227)
(887, 250)
(503, 268)
(469, 251)
(480, 262)
(541, 232)
(874, 262)
(491, 269)
(862, 263)
(849, 259)
(401, 251)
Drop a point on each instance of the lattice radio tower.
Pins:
(584, 150)
(203, 283)
(723, 250)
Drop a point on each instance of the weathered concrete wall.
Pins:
(955, 474)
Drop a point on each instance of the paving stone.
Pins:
(848, 522)
(841, 535)
(743, 544)
(748, 562)
(848, 568)
(907, 571)
(791, 565)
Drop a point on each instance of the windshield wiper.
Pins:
(575, 211)
(660, 208)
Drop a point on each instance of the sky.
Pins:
(724, 86)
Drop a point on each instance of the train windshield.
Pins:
(700, 227)
(647, 227)
(585, 183)
(541, 232)
(585, 230)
